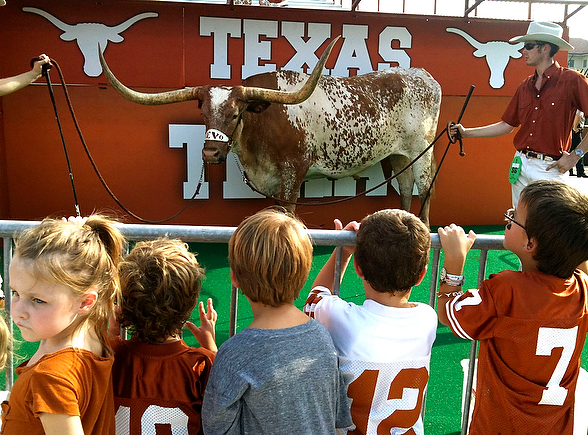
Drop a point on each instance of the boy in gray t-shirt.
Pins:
(281, 374)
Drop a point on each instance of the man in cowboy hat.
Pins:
(544, 107)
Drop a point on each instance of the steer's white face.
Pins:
(221, 115)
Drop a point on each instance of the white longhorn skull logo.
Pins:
(89, 35)
(497, 54)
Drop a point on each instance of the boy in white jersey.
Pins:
(385, 344)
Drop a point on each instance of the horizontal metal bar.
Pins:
(213, 234)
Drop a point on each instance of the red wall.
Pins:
(129, 142)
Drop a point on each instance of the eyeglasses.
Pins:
(531, 45)
(509, 217)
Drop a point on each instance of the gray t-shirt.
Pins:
(276, 381)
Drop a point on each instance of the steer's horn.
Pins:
(149, 99)
(296, 97)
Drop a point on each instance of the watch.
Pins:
(449, 279)
(579, 152)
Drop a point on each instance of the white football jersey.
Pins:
(385, 354)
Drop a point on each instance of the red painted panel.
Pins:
(130, 143)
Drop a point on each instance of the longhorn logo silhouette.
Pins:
(497, 54)
(89, 35)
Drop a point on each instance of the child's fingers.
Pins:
(193, 328)
(202, 312)
(212, 314)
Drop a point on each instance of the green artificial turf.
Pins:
(443, 405)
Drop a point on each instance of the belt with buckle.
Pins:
(535, 155)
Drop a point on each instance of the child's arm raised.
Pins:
(326, 276)
(61, 424)
(455, 244)
(205, 334)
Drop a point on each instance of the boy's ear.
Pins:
(357, 268)
(531, 246)
(234, 279)
(422, 275)
(88, 301)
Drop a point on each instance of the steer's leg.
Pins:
(405, 180)
(292, 176)
(423, 175)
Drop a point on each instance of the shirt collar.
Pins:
(549, 71)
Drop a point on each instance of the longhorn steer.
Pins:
(346, 126)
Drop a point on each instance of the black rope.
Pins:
(45, 73)
(245, 179)
(100, 177)
(349, 198)
(463, 108)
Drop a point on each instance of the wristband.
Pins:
(449, 279)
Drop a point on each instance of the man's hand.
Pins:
(566, 162)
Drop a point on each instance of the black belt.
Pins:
(535, 155)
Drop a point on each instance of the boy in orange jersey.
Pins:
(531, 323)
(158, 379)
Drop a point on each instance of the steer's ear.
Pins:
(257, 106)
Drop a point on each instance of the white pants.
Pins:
(531, 170)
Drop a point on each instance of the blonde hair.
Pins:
(270, 255)
(160, 283)
(81, 257)
(5, 342)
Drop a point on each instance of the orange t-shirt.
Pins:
(71, 382)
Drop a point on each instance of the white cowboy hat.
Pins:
(542, 31)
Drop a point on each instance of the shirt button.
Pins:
(538, 96)
(531, 134)
(553, 104)
(536, 108)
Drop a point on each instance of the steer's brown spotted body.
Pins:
(287, 126)
(346, 126)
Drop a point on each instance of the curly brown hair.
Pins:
(160, 283)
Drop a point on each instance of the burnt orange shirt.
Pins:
(71, 382)
(546, 116)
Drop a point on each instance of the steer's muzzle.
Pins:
(214, 153)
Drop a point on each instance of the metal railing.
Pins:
(212, 234)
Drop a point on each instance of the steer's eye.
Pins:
(235, 116)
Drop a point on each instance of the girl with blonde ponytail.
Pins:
(64, 282)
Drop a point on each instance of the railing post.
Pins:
(338, 272)
(434, 276)
(233, 314)
(473, 351)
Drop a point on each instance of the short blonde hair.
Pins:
(81, 257)
(270, 255)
